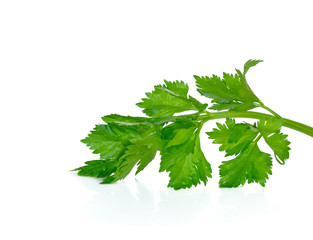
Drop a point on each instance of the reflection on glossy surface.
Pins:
(124, 203)
(236, 204)
(135, 203)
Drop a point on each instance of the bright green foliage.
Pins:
(143, 151)
(168, 99)
(280, 145)
(229, 92)
(250, 63)
(234, 138)
(122, 143)
(110, 137)
(241, 139)
(140, 152)
(125, 143)
(126, 120)
(270, 126)
(99, 168)
(251, 165)
(270, 130)
(129, 141)
(95, 168)
(182, 155)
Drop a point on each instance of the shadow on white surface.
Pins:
(126, 203)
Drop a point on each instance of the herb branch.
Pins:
(125, 142)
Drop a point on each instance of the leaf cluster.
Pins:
(126, 142)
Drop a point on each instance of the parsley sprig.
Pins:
(125, 142)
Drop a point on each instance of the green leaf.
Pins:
(110, 140)
(251, 165)
(270, 126)
(280, 145)
(234, 138)
(168, 99)
(232, 105)
(126, 120)
(250, 63)
(277, 141)
(145, 121)
(241, 139)
(106, 141)
(124, 142)
(182, 156)
(230, 92)
(200, 106)
(140, 152)
(97, 168)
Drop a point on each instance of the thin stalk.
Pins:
(258, 138)
(256, 115)
(271, 111)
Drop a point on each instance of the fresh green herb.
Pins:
(125, 141)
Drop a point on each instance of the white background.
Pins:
(64, 64)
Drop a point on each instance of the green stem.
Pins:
(271, 111)
(256, 115)
(257, 139)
